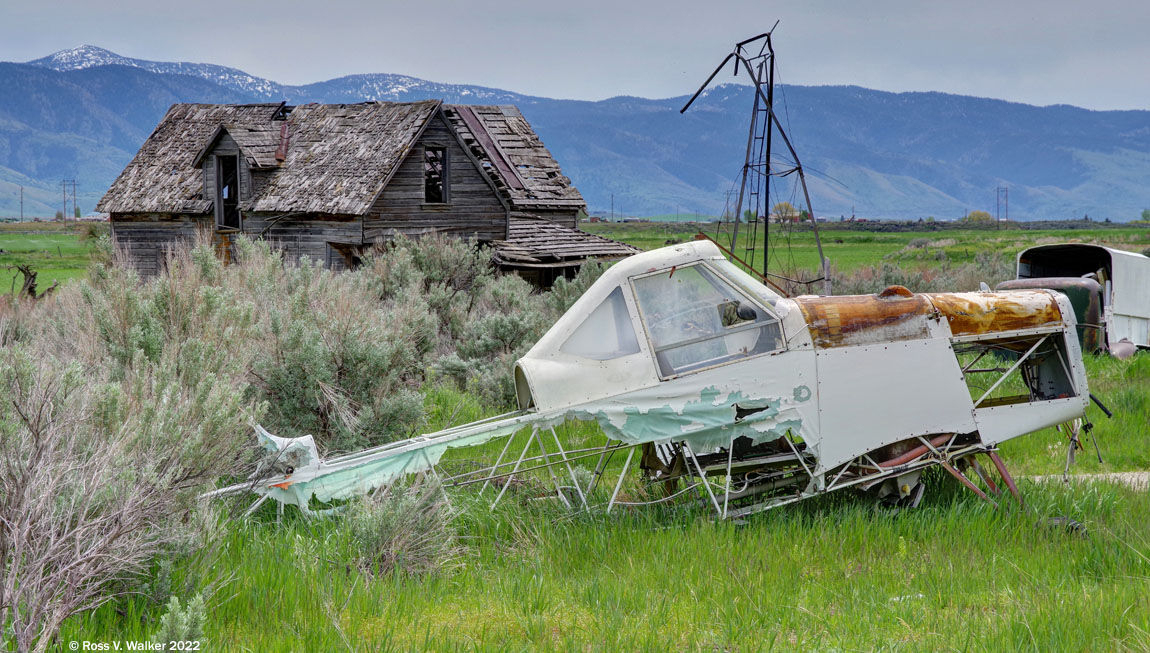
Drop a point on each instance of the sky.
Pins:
(1093, 54)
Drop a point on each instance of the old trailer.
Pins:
(1109, 289)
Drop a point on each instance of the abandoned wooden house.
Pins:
(329, 181)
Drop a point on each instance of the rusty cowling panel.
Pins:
(975, 313)
(1086, 298)
(893, 315)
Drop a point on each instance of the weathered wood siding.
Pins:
(146, 238)
(313, 238)
(474, 210)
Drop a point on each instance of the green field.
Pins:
(830, 574)
(834, 573)
(57, 252)
(849, 249)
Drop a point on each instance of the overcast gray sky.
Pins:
(1090, 53)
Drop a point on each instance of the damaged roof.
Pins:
(534, 242)
(514, 157)
(336, 158)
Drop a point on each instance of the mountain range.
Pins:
(82, 114)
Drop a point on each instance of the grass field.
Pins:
(834, 573)
(850, 249)
(56, 251)
(59, 253)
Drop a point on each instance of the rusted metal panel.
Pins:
(975, 313)
(1086, 298)
(866, 319)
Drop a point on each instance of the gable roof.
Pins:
(338, 159)
(257, 142)
(514, 157)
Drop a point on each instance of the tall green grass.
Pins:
(835, 573)
(831, 574)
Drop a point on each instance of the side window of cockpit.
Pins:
(697, 319)
(606, 333)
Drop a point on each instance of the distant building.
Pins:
(327, 181)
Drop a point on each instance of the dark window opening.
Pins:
(995, 377)
(227, 192)
(435, 175)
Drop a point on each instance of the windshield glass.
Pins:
(745, 281)
(696, 319)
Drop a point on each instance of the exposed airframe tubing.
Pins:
(940, 450)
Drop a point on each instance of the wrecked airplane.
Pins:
(1106, 287)
(746, 400)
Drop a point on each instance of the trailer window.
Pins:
(696, 319)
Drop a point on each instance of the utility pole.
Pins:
(75, 209)
(21, 204)
(64, 192)
(1001, 205)
(612, 207)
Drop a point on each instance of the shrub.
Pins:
(97, 474)
(93, 231)
(406, 531)
(182, 624)
(948, 277)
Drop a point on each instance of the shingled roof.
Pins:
(533, 242)
(338, 160)
(513, 155)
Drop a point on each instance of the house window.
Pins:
(436, 187)
(228, 192)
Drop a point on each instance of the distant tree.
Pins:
(978, 217)
(1145, 215)
(785, 211)
(77, 212)
(804, 216)
(59, 215)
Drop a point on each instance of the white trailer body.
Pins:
(1124, 276)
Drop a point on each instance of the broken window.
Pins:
(696, 319)
(227, 192)
(607, 332)
(435, 175)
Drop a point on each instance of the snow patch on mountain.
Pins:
(89, 56)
